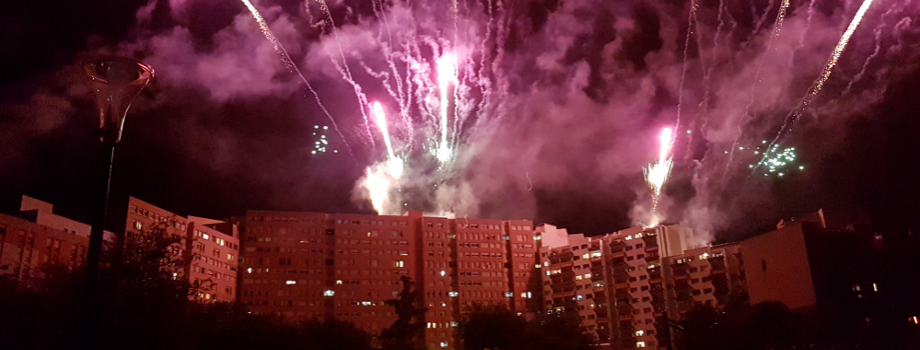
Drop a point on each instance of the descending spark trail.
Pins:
(656, 174)
(841, 45)
(819, 83)
(286, 58)
(878, 48)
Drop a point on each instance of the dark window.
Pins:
(763, 265)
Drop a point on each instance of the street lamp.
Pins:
(116, 81)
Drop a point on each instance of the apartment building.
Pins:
(303, 266)
(212, 245)
(38, 236)
(621, 284)
(26, 246)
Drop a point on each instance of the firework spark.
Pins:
(656, 174)
(777, 161)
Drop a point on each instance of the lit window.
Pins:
(640, 344)
(338, 282)
(443, 344)
(365, 303)
(205, 236)
(329, 293)
(585, 256)
(249, 270)
(289, 282)
(138, 225)
(509, 294)
(443, 273)
(537, 266)
(579, 297)
(452, 294)
(398, 263)
(640, 333)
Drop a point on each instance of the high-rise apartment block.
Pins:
(624, 283)
(303, 266)
(213, 247)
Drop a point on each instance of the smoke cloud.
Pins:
(558, 107)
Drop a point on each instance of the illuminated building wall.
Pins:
(38, 236)
(212, 269)
(621, 284)
(302, 266)
(26, 245)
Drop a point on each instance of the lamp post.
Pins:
(115, 81)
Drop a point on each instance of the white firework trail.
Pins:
(286, 58)
(447, 75)
(656, 174)
(838, 50)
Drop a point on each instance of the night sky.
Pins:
(578, 91)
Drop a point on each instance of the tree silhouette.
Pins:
(495, 327)
(406, 332)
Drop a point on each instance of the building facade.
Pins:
(38, 236)
(304, 266)
(622, 284)
(210, 247)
